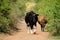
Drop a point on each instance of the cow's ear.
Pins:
(37, 14)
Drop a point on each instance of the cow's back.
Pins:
(31, 18)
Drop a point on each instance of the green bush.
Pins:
(10, 12)
(51, 9)
(4, 15)
(4, 24)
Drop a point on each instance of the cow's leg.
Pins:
(42, 27)
(35, 29)
(28, 28)
(31, 29)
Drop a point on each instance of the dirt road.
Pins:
(23, 35)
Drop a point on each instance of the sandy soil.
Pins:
(23, 35)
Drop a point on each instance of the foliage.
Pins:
(4, 15)
(4, 12)
(4, 24)
(10, 13)
(51, 9)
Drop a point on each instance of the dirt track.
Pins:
(23, 35)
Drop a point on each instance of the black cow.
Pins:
(31, 20)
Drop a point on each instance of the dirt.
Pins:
(23, 35)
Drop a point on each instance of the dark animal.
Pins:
(31, 19)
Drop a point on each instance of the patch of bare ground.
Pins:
(23, 35)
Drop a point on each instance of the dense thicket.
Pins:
(10, 13)
(51, 9)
